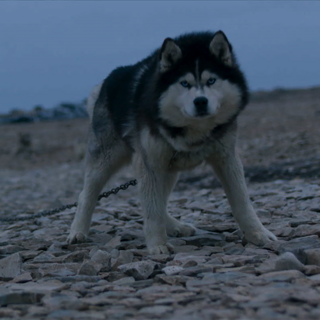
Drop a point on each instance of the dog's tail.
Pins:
(92, 99)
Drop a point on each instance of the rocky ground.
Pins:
(215, 274)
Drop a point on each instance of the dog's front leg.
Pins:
(228, 168)
(155, 185)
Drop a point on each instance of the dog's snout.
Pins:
(201, 104)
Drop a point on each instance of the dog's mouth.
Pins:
(200, 115)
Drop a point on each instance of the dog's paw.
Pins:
(183, 230)
(161, 249)
(77, 237)
(260, 237)
(178, 229)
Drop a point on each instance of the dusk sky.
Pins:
(56, 51)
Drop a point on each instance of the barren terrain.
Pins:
(213, 275)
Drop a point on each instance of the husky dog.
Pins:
(169, 112)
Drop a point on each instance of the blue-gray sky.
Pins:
(54, 51)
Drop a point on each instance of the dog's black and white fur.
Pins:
(169, 112)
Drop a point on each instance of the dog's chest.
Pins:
(190, 150)
(190, 140)
(182, 160)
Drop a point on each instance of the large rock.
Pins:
(122, 257)
(89, 268)
(216, 278)
(42, 287)
(288, 261)
(10, 266)
(305, 230)
(103, 259)
(207, 239)
(140, 270)
(313, 256)
(76, 256)
(282, 276)
(297, 246)
(172, 270)
(8, 297)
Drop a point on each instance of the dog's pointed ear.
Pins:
(170, 53)
(221, 48)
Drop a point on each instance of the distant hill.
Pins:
(61, 112)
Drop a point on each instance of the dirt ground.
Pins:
(214, 275)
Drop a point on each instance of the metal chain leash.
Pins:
(51, 212)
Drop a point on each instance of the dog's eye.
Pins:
(211, 81)
(185, 84)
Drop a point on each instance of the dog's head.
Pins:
(199, 79)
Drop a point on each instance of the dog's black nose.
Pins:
(201, 104)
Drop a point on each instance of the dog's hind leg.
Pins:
(102, 161)
(228, 168)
